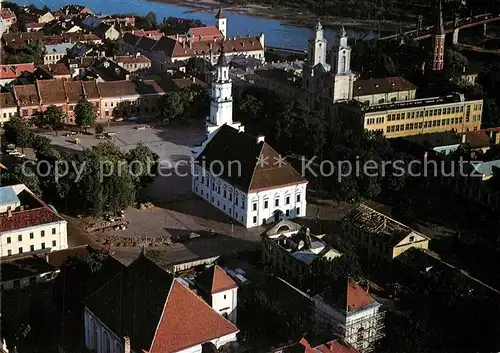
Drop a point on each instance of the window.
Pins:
(20, 237)
(53, 243)
(287, 213)
(298, 198)
(20, 249)
(43, 245)
(42, 233)
(276, 202)
(230, 196)
(298, 211)
(8, 240)
(411, 238)
(254, 222)
(32, 248)
(224, 296)
(287, 200)
(32, 235)
(9, 252)
(225, 193)
(266, 204)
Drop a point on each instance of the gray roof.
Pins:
(8, 196)
(435, 139)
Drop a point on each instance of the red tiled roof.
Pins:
(74, 91)
(215, 280)
(187, 321)
(51, 91)
(91, 90)
(335, 346)
(357, 297)
(58, 69)
(26, 95)
(27, 218)
(204, 33)
(6, 14)
(117, 88)
(173, 48)
(131, 59)
(7, 100)
(11, 71)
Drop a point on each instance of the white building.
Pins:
(241, 174)
(142, 308)
(220, 291)
(22, 272)
(350, 313)
(27, 224)
(323, 80)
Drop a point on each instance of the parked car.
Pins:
(118, 119)
(132, 118)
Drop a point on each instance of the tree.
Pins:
(42, 145)
(18, 132)
(196, 67)
(455, 62)
(85, 113)
(491, 113)
(143, 164)
(22, 174)
(53, 117)
(170, 106)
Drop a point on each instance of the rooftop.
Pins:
(435, 139)
(477, 139)
(7, 100)
(11, 71)
(377, 224)
(23, 267)
(382, 85)
(215, 280)
(58, 48)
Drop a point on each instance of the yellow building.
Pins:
(378, 236)
(417, 116)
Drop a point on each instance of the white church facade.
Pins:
(240, 174)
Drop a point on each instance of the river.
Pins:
(277, 34)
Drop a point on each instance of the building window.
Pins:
(254, 206)
(20, 249)
(230, 196)
(9, 252)
(265, 204)
(53, 231)
(20, 237)
(254, 222)
(412, 238)
(287, 213)
(8, 240)
(224, 296)
(276, 202)
(287, 200)
(298, 211)
(32, 235)
(32, 248)
(43, 245)
(42, 233)
(224, 193)
(298, 197)
(53, 243)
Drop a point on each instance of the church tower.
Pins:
(317, 47)
(221, 22)
(438, 40)
(341, 63)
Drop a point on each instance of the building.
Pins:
(419, 116)
(8, 107)
(104, 69)
(142, 308)
(283, 83)
(132, 63)
(438, 40)
(384, 90)
(378, 236)
(107, 31)
(219, 291)
(27, 99)
(292, 251)
(56, 52)
(348, 312)
(442, 142)
(7, 19)
(46, 17)
(253, 184)
(34, 26)
(52, 71)
(9, 72)
(22, 272)
(303, 346)
(52, 92)
(333, 83)
(480, 140)
(27, 224)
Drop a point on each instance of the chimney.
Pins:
(126, 345)
(9, 213)
(464, 138)
(21, 208)
(260, 138)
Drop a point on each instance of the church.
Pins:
(240, 174)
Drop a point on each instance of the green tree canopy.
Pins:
(171, 106)
(18, 132)
(52, 116)
(143, 163)
(196, 67)
(85, 113)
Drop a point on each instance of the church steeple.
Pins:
(342, 56)
(221, 22)
(221, 100)
(438, 39)
(317, 46)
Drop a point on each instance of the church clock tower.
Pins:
(341, 63)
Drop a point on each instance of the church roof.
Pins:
(214, 280)
(158, 313)
(247, 164)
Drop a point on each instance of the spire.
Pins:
(319, 27)
(439, 18)
(220, 14)
(222, 57)
(343, 33)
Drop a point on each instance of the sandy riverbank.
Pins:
(287, 15)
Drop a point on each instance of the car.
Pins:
(140, 128)
(118, 119)
(132, 118)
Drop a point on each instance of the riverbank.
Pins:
(288, 15)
